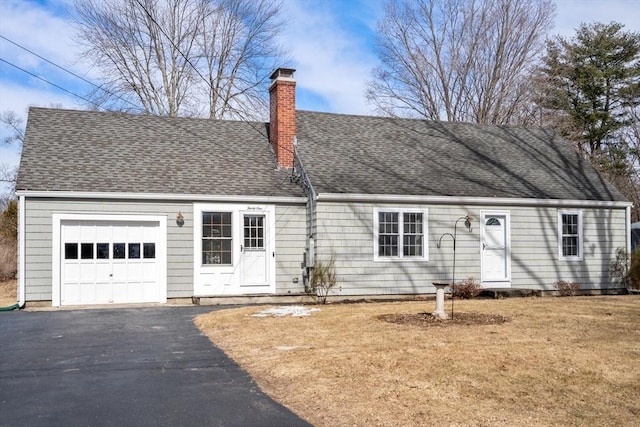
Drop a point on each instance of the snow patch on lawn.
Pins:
(294, 310)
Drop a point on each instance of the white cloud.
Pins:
(39, 29)
(571, 13)
(332, 61)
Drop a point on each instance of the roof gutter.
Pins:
(452, 200)
(159, 196)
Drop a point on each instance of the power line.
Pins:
(70, 72)
(51, 83)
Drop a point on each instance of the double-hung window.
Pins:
(400, 234)
(570, 236)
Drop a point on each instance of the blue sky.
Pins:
(331, 43)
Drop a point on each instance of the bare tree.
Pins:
(237, 49)
(458, 60)
(175, 57)
(15, 125)
(8, 173)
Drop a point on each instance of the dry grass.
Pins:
(559, 361)
(8, 292)
(8, 259)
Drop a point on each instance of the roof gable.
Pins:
(380, 155)
(86, 151)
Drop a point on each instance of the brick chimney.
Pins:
(282, 115)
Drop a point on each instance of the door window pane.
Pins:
(149, 250)
(86, 250)
(118, 251)
(70, 251)
(102, 251)
(254, 232)
(134, 250)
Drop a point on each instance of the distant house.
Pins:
(119, 208)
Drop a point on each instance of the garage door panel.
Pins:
(149, 234)
(134, 272)
(149, 271)
(102, 292)
(134, 234)
(71, 292)
(71, 272)
(94, 271)
(87, 233)
(120, 292)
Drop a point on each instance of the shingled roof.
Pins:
(84, 151)
(378, 155)
(87, 151)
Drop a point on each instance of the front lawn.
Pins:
(556, 361)
(8, 292)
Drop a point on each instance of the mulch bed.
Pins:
(427, 320)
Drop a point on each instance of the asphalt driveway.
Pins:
(125, 367)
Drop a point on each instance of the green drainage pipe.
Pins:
(11, 307)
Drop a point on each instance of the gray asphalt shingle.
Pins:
(379, 155)
(88, 151)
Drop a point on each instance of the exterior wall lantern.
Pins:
(180, 219)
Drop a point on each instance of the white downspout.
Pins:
(628, 229)
(21, 251)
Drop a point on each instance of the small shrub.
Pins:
(633, 276)
(467, 289)
(322, 280)
(619, 267)
(567, 289)
(625, 268)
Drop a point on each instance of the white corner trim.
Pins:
(160, 196)
(628, 228)
(57, 218)
(453, 200)
(22, 281)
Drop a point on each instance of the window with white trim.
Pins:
(217, 239)
(400, 234)
(570, 237)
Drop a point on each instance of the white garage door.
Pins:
(105, 262)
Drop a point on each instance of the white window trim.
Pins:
(400, 257)
(580, 255)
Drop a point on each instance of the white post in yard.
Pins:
(439, 312)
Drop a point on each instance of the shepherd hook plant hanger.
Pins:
(467, 223)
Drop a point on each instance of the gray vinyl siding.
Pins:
(290, 244)
(347, 231)
(290, 241)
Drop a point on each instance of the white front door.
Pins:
(495, 261)
(254, 267)
(234, 249)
